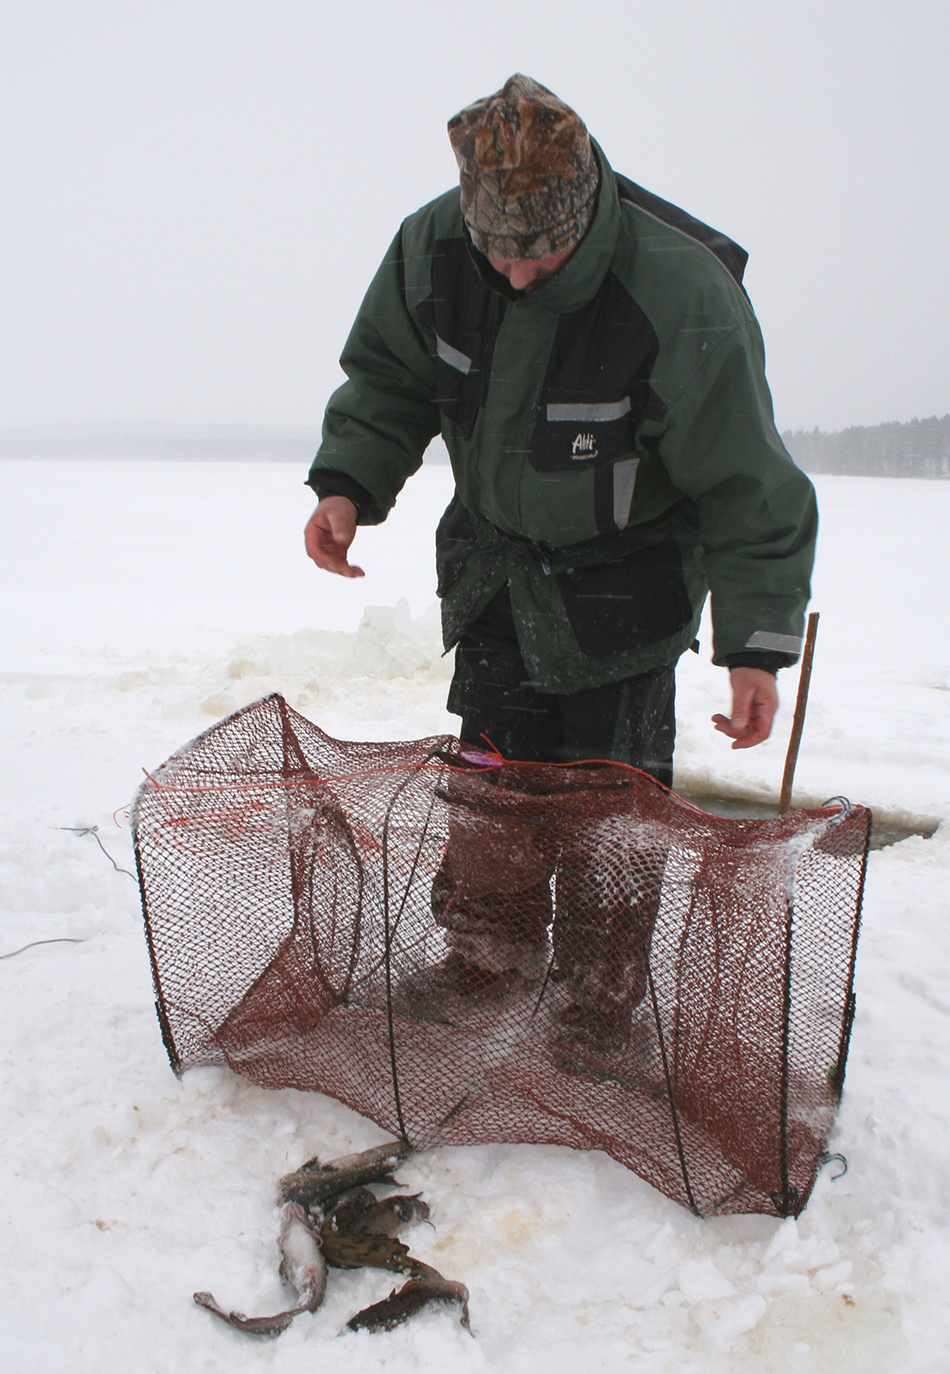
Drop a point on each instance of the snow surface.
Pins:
(144, 601)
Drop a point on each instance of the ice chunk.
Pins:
(701, 1281)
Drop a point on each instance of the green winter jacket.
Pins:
(611, 436)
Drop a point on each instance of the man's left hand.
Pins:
(754, 704)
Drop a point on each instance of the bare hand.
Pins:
(754, 704)
(330, 532)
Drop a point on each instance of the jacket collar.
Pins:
(581, 277)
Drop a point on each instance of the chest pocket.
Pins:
(466, 317)
(597, 390)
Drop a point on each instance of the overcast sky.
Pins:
(195, 195)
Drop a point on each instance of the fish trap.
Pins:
(469, 950)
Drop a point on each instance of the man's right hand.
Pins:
(330, 532)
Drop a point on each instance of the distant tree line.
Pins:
(920, 448)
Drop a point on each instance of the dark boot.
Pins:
(495, 931)
(602, 937)
(496, 941)
(443, 991)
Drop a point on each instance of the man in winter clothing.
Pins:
(595, 368)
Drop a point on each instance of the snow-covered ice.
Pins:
(143, 601)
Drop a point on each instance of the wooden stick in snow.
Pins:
(801, 703)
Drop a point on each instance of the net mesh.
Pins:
(466, 950)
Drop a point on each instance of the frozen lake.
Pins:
(188, 569)
(141, 602)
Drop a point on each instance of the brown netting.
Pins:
(465, 950)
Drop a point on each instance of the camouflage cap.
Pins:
(528, 172)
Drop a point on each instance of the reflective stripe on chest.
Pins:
(596, 390)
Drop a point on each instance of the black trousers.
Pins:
(632, 721)
(604, 922)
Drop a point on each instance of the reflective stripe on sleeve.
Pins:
(783, 644)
